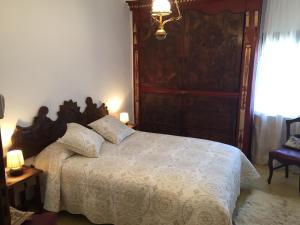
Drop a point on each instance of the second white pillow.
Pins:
(111, 129)
(82, 140)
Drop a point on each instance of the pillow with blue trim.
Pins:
(293, 142)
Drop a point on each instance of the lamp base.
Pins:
(161, 34)
(15, 172)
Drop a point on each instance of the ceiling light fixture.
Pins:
(161, 9)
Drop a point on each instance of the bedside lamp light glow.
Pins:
(15, 161)
(124, 117)
(114, 105)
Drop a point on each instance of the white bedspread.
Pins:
(149, 179)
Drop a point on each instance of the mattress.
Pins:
(148, 179)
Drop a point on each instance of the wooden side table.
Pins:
(30, 178)
(132, 126)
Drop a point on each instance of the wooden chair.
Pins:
(286, 156)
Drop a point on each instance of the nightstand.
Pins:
(21, 184)
(132, 126)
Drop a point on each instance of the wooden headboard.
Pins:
(44, 131)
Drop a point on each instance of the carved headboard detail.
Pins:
(45, 131)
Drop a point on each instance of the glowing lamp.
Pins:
(15, 162)
(124, 117)
(161, 7)
(160, 10)
(114, 105)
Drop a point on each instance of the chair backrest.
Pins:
(288, 127)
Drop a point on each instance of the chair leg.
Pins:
(286, 171)
(270, 170)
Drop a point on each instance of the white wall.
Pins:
(54, 50)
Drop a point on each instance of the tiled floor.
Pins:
(280, 186)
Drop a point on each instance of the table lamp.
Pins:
(15, 162)
(124, 117)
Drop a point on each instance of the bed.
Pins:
(146, 179)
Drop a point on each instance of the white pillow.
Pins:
(111, 129)
(293, 142)
(82, 140)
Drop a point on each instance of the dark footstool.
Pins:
(47, 218)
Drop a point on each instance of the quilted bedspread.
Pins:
(148, 179)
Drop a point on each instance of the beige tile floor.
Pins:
(280, 186)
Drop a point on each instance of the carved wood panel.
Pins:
(213, 51)
(45, 131)
(206, 56)
(160, 61)
(160, 113)
(212, 118)
(201, 53)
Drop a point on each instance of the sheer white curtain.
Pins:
(277, 92)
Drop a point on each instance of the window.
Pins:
(278, 78)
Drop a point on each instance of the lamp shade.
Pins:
(15, 159)
(161, 8)
(124, 117)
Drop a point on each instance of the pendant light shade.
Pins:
(161, 8)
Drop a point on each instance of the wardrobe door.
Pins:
(198, 81)
(213, 46)
(160, 113)
(212, 118)
(160, 61)
(160, 69)
(213, 51)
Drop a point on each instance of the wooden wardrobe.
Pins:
(198, 81)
